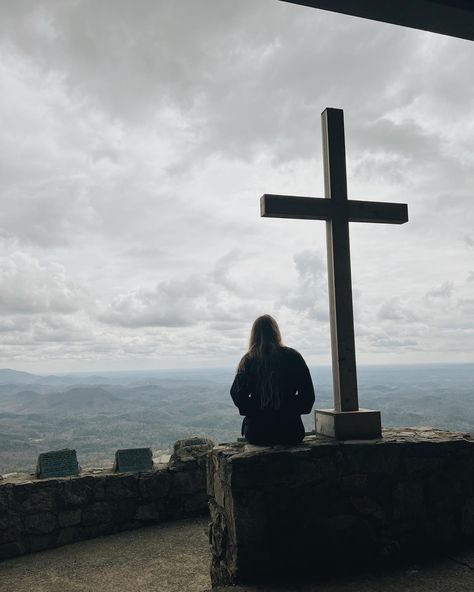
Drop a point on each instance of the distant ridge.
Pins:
(75, 400)
(8, 376)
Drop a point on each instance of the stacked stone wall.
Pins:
(327, 505)
(40, 514)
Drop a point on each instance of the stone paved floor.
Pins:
(174, 557)
(171, 557)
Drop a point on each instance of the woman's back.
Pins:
(272, 391)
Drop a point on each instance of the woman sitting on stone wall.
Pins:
(272, 388)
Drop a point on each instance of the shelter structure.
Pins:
(448, 17)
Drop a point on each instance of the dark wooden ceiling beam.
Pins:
(448, 17)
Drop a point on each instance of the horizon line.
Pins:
(214, 368)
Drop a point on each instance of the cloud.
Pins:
(444, 291)
(224, 266)
(227, 59)
(48, 213)
(388, 342)
(394, 310)
(391, 148)
(183, 302)
(169, 304)
(29, 287)
(136, 143)
(308, 295)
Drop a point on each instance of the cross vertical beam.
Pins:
(339, 264)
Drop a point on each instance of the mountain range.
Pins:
(98, 413)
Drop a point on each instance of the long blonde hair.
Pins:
(264, 345)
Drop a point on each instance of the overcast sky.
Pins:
(137, 138)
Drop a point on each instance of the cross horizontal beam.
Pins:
(317, 208)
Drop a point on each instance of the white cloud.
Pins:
(191, 300)
(170, 304)
(48, 213)
(444, 291)
(394, 310)
(135, 145)
(309, 295)
(28, 287)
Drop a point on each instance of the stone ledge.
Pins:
(37, 514)
(327, 504)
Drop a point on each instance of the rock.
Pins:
(196, 504)
(121, 486)
(4, 521)
(468, 517)
(41, 542)
(188, 482)
(43, 523)
(11, 526)
(97, 513)
(78, 492)
(155, 485)
(67, 536)
(408, 501)
(190, 453)
(161, 459)
(148, 513)
(5, 498)
(37, 496)
(69, 517)
(11, 550)
(124, 510)
(91, 531)
(366, 505)
(7, 536)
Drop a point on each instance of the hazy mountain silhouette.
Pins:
(83, 399)
(8, 376)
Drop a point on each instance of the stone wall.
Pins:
(40, 514)
(329, 505)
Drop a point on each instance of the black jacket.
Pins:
(266, 426)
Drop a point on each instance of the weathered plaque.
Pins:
(57, 463)
(133, 460)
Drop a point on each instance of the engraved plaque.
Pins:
(133, 460)
(57, 463)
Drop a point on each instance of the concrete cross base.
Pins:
(364, 424)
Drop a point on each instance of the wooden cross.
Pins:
(338, 211)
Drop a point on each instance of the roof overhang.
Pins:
(448, 17)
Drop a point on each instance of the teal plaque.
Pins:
(57, 463)
(133, 460)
